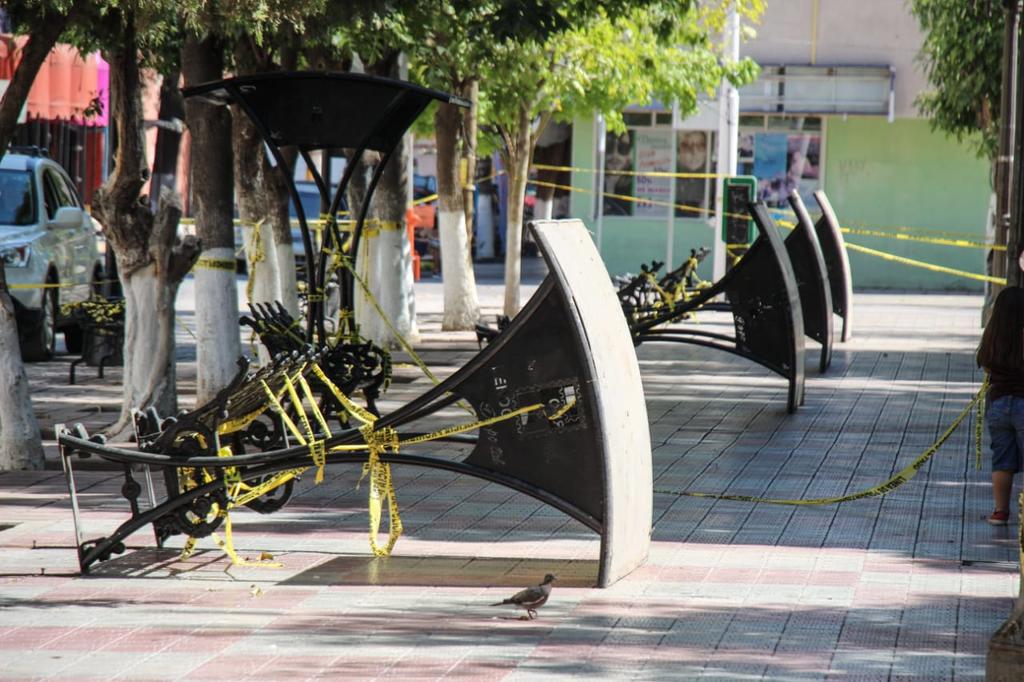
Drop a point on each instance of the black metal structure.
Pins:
(324, 111)
(764, 300)
(837, 263)
(811, 280)
(584, 449)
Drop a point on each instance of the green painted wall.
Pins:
(878, 175)
(884, 175)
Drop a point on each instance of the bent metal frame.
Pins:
(585, 450)
(764, 301)
(312, 111)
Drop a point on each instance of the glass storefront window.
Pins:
(783, 152)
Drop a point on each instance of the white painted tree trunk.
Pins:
(20, 443)
(264, 278)
(461, 306)
(149, 376)
(391, 282)
(518, 158)
(542, 208)
(288, 280)
(218, 344)
(264, 285)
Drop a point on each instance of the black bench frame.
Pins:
(762, 295)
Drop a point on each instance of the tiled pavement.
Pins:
(910, 585)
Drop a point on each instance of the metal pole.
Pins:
(599, 193)
(728, 140)
(1003, 167)
(1011, 125)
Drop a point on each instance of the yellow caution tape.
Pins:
(215, 264)
(649, 174)
(401, 339)
(904, 475)
(854, 247)
(925, 266)
(60, 285)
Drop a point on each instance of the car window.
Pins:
(62, 193)
(68, 191)
(50, 196)
(17, 198)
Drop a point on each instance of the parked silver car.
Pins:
(49, 249)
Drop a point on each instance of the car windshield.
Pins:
(17, 198)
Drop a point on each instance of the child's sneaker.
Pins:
(999, 518)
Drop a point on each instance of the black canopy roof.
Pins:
(317, 110)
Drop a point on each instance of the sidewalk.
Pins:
(910, 585)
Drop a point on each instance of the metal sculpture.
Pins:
(811, 280)
(761, 294)
(558, 407)
(837, 263)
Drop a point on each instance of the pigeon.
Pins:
(532, 598)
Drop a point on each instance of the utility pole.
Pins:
(1015, 125)
(728, 139)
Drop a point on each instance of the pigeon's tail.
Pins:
(503, 602)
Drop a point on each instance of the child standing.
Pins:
(1001, 354)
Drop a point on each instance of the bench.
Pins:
(352, 367)
(101, 320)
(761, 293)
(559, 416)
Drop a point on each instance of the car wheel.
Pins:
(39, 331)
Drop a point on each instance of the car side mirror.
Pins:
(67, 216)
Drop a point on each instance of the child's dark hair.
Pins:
(1002, 343)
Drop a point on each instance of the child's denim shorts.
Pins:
(1005, 419)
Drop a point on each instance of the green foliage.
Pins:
(962, 56)
(608, 63)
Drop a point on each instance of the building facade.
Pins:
(833, 109)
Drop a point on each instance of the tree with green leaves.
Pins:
(650, 51)
(962, 55)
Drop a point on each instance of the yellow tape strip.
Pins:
(401, 339)
(61, 285)
(215, 264)
(904, 475)
(925, 266)
(647, 174)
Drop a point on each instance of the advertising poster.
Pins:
(694, 196)
(784, 162)
(618, 157)
(653, 153)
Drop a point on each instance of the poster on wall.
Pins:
(618, 178)
(694, 195)
(784, 162)
(653, 154)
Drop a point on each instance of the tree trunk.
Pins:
(461, 306)
(275, 192)
(250, 168)
(388, 252)
(32, 56)
(218, 337)
(518, 153)
(470, 118)
(168, 138)
(146, 247)
(20, 443)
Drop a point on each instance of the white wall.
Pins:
(844, 32)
